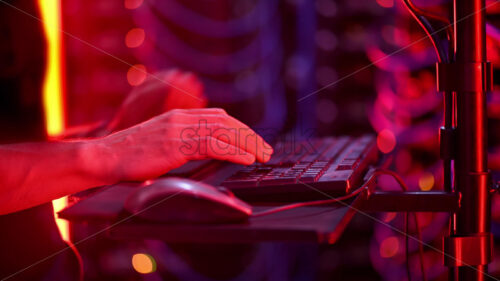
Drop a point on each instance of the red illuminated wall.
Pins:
(97, 64)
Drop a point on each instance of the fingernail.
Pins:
(267, 157)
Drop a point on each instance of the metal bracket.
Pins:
(468, 250)
(464, 77)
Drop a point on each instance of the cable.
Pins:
(420, 246)
(407, 246)
(404, 187)
(443, 55)
(327, 201)
(310, 203)
(420, 249)
(419, 16)
(375, 174)
(422, 14)
(430, 15)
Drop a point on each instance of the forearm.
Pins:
(35, 173)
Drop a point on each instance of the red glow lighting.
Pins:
(136, 74)
(389, 216)
(135, 37)
(386, 141)
(53, 89)
(386, 3)
(133, 4)
(389, 247)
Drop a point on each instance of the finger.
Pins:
(242, 136)
(209, 147)
(227, 129)
(234, 132)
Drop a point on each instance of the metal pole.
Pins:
(471, 173)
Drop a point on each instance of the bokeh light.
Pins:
(326, 40)
(326, 111)
(326, 8)
(426, 181)
(133, 4)
(135, 37)
(143, 263)
(389, 216)
(386, 3)
(389, 247)
(386, 141)
(136, 74)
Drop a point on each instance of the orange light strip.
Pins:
(53, 87)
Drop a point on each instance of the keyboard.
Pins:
(306, 170)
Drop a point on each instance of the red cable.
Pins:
(418, 11)
(307, 204)
(333, 200)
(428, 14)
(377, 172)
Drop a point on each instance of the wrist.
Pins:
(98, 161)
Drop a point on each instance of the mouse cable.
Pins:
(372, 178)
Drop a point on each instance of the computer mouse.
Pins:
(180, 200)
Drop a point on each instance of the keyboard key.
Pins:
(332, 151)
(347, 164)
(355, 154)
(332, 165)
(319, 164)
(320, 147)
(332, 174)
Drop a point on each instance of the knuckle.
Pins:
(220, 110)
(176, 115)
(221, 120)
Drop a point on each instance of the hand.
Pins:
(167, 141)
(159, 93)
